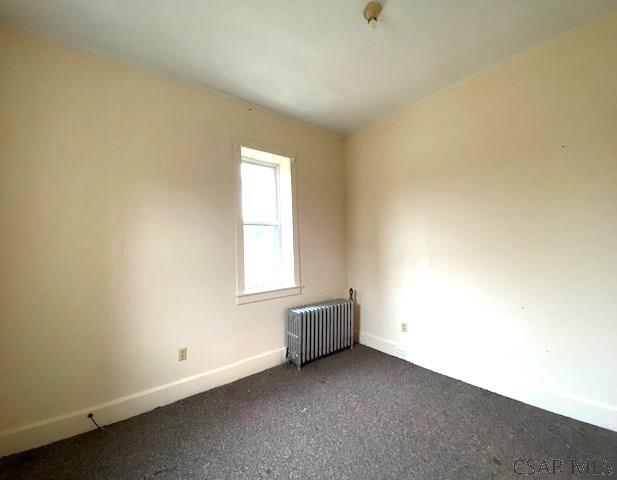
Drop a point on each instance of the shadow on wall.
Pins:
(356, 317)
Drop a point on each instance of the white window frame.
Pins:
(242, 294)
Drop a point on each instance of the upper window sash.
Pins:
(257, 219)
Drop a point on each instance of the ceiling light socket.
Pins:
(371, 13)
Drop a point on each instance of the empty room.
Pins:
(309, 239)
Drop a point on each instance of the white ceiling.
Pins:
(313, 59)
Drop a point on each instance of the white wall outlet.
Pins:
(401, 352)
(404, 327)
(182, 354)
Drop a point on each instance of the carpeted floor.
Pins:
(355, 415)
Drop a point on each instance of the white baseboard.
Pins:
(383, 345)
(573, 406)
(64, 426)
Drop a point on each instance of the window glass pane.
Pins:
(259, 193)
(262, 256)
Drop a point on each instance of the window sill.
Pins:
(259, 296)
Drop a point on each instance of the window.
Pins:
(267, 250)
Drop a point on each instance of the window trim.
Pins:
(242, 294)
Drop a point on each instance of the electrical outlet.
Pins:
(401, 352)
(404, 327)
(182, 354)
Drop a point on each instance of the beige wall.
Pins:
(117, 220)
(485, 216)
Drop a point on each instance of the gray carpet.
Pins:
(355, 415)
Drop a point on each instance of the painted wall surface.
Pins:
(485, 217)
(117, 230)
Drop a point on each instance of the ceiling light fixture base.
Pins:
(371, 13)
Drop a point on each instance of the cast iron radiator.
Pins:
(319, 329)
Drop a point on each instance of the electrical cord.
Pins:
(91, 417)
